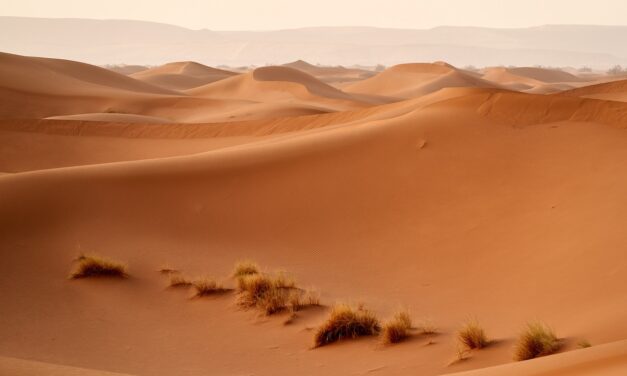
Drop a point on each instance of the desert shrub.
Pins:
(299, 299)
(207, 286)
(472, 336)
(95, 266)
(269, 293)
(426, 326)
(244, 268)
(178, 280)
(583, 344)
(397, 329)
(536, 340)
(344, 322)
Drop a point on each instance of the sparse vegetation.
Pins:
(583, 344)
(616, 70)
(397, 329)
(472, 336)
(269, 293)
(95, 266)
(299, 299)
(346, 322)
(178, 280)
(207, 286)
(426, 326)
(244, 268)
(536, 340)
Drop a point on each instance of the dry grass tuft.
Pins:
(268, 293)
(299, 299)
(178, 280)
(165, 269)
(427, 326)
(244, 268)
(95, 266)
(207, 286)
(346, 322)
(536, 340)
(584, 344)
(472, 336)
(397, 329)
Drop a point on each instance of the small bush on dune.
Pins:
(584, 344)
(269, 293)
(244, 268)
(346, 322)
(397, 329)
(299, 299)
(178, 280)
(472, 336)
(94, 266)
(207, 286)
(536, 340)
(426, 326)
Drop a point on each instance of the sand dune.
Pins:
(613, 91)
(449, 197)
(331, 75)
(113, 117)
(126, 69)
(414, 80)
(182, 75)
(424, 186)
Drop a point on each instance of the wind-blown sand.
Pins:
(465, 200)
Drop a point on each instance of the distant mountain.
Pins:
(139, 42)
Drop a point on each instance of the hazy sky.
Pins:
(281, 14)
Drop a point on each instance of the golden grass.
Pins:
(266, 292)
(244, 268)
(95, 266)
(346, 322)
(472, 336)
(397, 329)
(299, 299)
(179, 280)
(426, 326)
(206, 286)
(536, 340)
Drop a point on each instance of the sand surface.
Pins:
(424, 186)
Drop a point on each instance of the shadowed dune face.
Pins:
(423, 187)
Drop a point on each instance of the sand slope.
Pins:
(414, 80)
(331, 75)
(406, 206)
(182, 75)
(614, 91)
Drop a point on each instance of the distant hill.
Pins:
(139, 42)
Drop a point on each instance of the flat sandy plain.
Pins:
(498, 195)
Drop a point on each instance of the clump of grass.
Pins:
(427, 327)
(178, 280)
(583, 344)
(397, 329)
(165, 269)
(536, 340)
(472, 336)
(244, 268)
(207, 286)
(269, 293)
(299, 299)
(346, 322)
(95, 266)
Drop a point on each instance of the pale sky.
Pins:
(283, 14)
